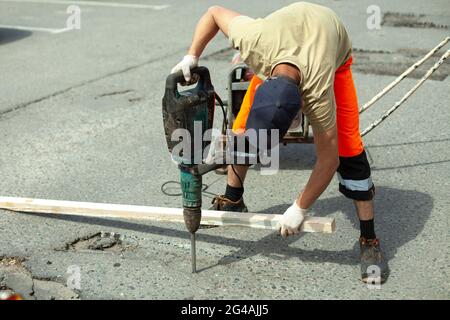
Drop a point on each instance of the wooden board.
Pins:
(209, 217)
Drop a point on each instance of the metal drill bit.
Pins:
(194, 255)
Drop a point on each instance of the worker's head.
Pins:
(277, 102)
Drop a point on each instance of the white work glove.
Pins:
(291, 220)
(186, 65)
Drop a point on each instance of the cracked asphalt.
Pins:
(80, 119)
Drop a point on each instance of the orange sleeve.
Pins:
(241, 119)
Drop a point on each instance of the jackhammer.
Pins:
(188, 117)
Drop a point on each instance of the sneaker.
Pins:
(223, 204)
(371, 259)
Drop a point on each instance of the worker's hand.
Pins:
(291, 220)
(186, 65)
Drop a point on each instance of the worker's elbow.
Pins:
(213, 10)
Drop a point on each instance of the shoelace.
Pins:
(373, 244)
(219, 201)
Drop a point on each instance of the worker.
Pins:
(301, 55)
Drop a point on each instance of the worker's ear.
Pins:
(222, 17)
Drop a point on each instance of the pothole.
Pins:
(9, 265)
(395, 63)
(101, 241)
(17, 283)
(12, 263)
(410, 20)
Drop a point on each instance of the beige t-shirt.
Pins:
(306, 35)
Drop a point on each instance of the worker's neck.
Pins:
(287, 70)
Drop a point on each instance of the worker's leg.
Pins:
(232, 200)
(354, 169)
(239, 128)
(355, 180)
(236, 177)
(364, 209)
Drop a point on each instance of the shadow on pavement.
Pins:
(297, 157)
(400, 218)
(11, 35)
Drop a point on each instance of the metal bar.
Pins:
(403, 76)
(407, 95)
(193, 254)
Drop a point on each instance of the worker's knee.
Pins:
(355, 181)
(358, 195)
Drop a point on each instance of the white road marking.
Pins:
(95, 3)
(62, 30)
(25, 28)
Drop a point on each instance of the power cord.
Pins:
(239, 178)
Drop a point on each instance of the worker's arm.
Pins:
(326, 165)
(215, 19)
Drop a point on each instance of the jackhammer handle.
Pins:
(176, 78)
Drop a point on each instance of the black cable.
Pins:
(223, 109)
(170, 194)
(240, 180)
(164, 190)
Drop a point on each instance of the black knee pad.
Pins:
(355, 181)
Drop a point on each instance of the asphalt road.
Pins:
(80, 119)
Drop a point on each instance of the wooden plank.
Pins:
(209, 217)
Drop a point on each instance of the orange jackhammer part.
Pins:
(241, 119)
(347, 113)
